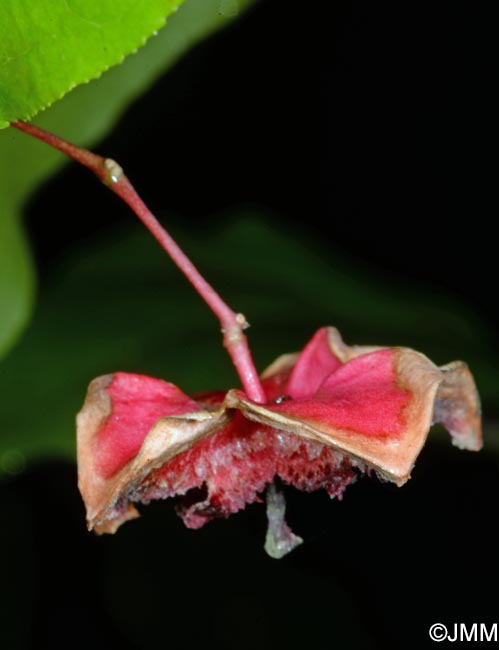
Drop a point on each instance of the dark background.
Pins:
(365, 126)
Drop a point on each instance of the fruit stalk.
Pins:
(111, 174)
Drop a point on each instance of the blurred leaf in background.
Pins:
(83, 116)
(120, 304)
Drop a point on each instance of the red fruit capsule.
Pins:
(332, 411)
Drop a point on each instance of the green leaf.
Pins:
(47, 48)
(122, 305)
(16, 278)
(83, 116)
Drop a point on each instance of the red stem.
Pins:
(110, 173)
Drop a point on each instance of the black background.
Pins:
(367, 124)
